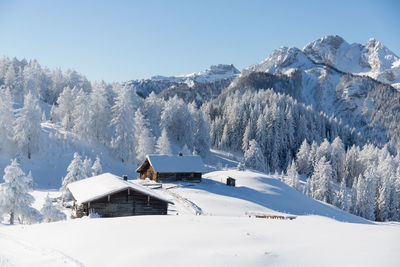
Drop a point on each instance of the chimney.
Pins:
(180, 154)
(125, 177)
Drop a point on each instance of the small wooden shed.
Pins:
(110, 196)
(168, 168)
(230, 181)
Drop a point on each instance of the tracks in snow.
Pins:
(14, 252)
(186, 202)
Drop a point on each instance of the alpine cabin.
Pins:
(168, 168)
(110, 196)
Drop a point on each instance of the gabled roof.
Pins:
(169, 163)
(99, 186)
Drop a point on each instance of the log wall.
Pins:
(149, 173)
(180, 176)
(124, 203)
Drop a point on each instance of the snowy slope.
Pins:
(255, 193)
(200, 241)
(57, 147)
(225, 234)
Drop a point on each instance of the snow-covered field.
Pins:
(225, 234)
(201, 241)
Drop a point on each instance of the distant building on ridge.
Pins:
(168, 168)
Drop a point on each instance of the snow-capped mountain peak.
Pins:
(283, 57)
(214, 72)
(374, 59)
(333, 50)
(220, 75)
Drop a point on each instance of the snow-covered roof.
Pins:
(169, 163)
(105, 184)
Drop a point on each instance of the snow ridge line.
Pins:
(197, 210)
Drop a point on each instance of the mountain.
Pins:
(335, 78)
(372, 59)
(189, 86)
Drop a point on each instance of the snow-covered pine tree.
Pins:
(246, 137)
(178, 122)
(253, 157)
(144, 138)
(303, 158)
(99, 113)
(15, 199)
(7, 118)
(27, 126)
(308, 188)
(313, 156)
(342, 200)
(10, 77)
(87, 166)
(152, 108)
(34, 78)
(201, 138)
(324, 150)
(50, 212)
(163, 146)
(185, 151)
(292, 178)
(29, 180)
(388, 168)
(338, 155)
(81, 116)
(383, 200)
(122, 121)
(352, 166)
(261, 128)
(322, 187)
(75, 172)
(369, 194)
(65, 109)
(96, 168)
(240, 166)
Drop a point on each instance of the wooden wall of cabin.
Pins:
(178, 176)
(124, 203)
(149, 173)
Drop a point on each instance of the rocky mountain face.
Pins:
(200, 86)
(372, 59)
(342, 80)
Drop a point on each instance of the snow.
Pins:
(255, 193)
(213, 73)
(372, 59)
(201, 241)
(57, 147)
(170, 163)
(104, 184)
(225, 233)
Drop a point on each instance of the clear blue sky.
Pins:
(123, 40)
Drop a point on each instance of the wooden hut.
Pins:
(168, 168)
(110, 196)
(230, 181)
